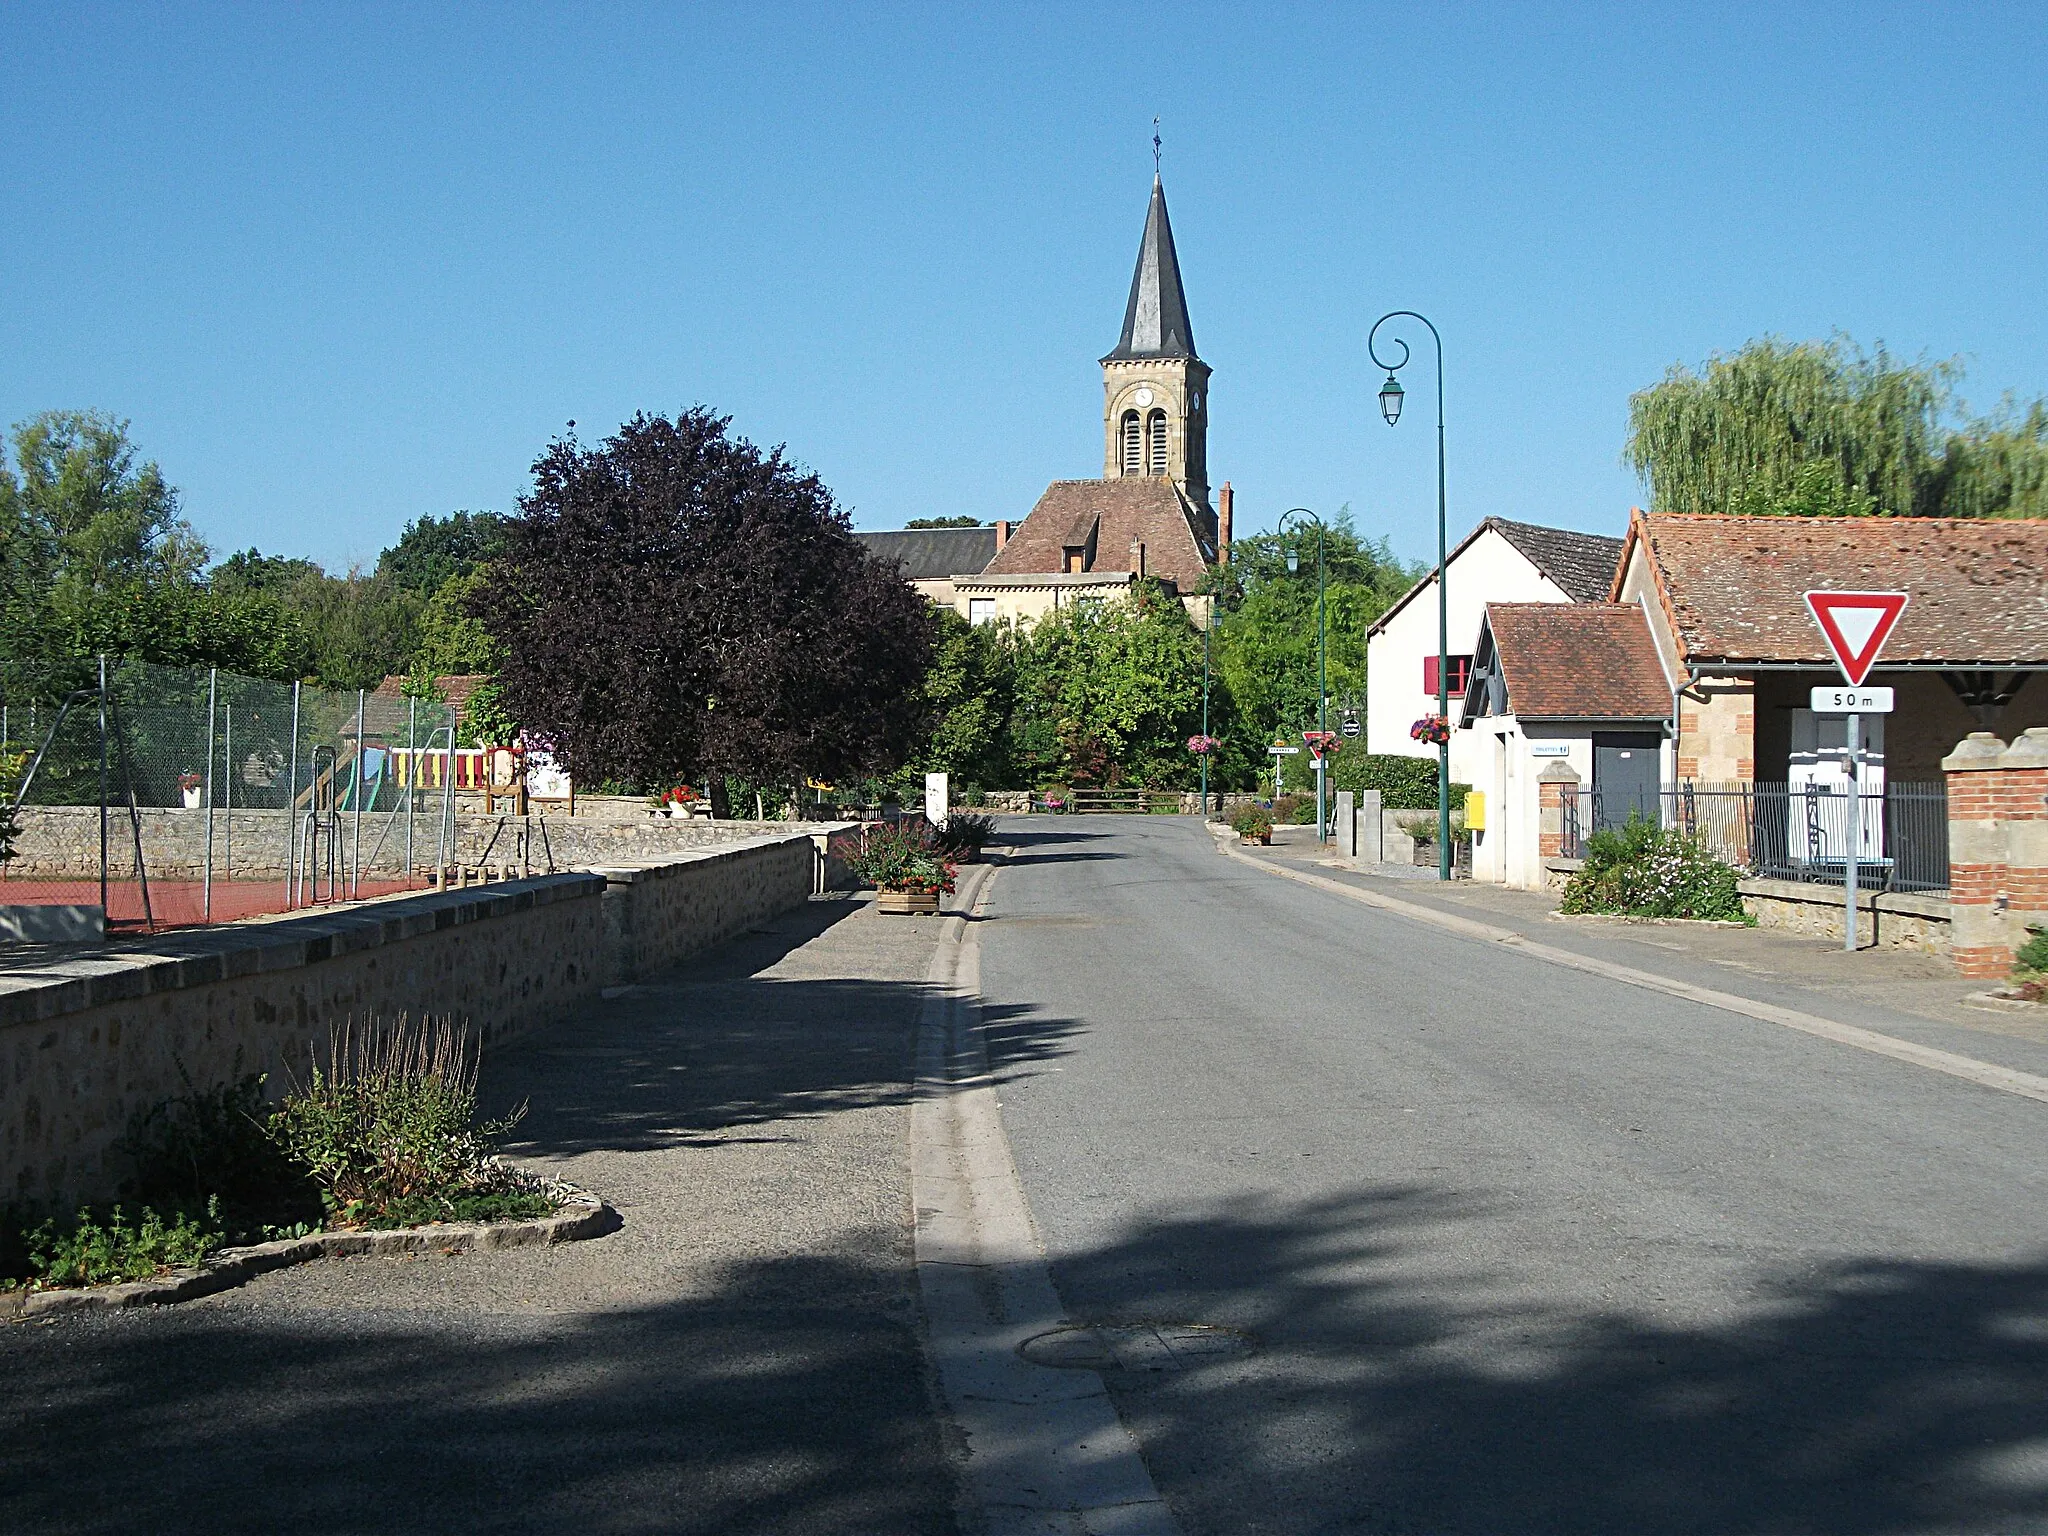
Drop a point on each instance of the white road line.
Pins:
(1045, 1450)
(1985, 1074)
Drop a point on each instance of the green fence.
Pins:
(169, 797)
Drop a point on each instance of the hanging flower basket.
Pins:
(1433, 729)
(1203, 746)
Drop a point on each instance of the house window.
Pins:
(1077, 559)
(981, 610)
(1461, 674)
(1155, 437)
(1133, 460)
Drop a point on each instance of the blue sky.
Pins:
(343, 266)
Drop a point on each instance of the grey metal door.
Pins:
(1625, 776)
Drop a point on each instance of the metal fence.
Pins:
(172, 797)
(1799, 832)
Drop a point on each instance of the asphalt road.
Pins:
(1513, 1248)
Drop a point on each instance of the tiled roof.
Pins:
(1578, 661)
(1581, 563)
(1150, 509)
(455, 687)
(1734, 587)
(928, 554)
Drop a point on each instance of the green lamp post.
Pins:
(1391, 395)
(1296, 516)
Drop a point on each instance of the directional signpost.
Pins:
(1856, 626)
(1280, 750)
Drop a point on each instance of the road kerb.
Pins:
(1984, 1074)
(1045, 1451)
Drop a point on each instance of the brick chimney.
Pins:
(1137, 557)
(1223, 525)
(1002, 533)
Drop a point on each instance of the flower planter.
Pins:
(1425, 854)
(1264, 839)
(908, 903)
(192, 797)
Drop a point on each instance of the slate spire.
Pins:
(1156, 319)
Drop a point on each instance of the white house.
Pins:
(1553, 686)
(1497, 562)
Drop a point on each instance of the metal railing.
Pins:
(1800, 832)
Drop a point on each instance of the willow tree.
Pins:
(1822, 428)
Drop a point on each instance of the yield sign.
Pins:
(1856, 625)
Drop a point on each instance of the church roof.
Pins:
(930, 554)
(1143, 509)
(1156, 319)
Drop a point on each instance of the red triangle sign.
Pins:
(1856, 624)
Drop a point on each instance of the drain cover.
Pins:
(1135, 1346)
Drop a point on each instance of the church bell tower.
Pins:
(1155, 416)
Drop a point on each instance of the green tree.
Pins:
(433, 550)
(1109, 692)
(110, 515)
(450, 637)
(944, 522)
(1265, 644)
(1822, 428)
(969, 693)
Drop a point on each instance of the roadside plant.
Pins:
(214, 1145)
(388, 1125)
(100, 1247)
(1252, 822)
(1294, 810)
(1644, 870)
(895, 859)
(2033, 955)
(12, 765)
(964, 835)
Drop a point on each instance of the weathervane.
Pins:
(1155, 146)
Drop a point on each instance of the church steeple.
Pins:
(1156, 390)
(1156, 319)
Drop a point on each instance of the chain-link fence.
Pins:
(172, 797)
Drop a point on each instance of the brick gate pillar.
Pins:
(2024, 810)
(1980, 940)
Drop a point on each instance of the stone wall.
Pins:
(64, 841)
(1717, 731)
(1900, 920)
(658, 913)
(86, 1042)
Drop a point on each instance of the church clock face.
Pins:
(1143, 397)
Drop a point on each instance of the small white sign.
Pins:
(1852, 701)
(1550, 749)
(1283, 751)
(935, 807)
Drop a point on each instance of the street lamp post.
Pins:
(1300, 515)
(1390, 407)
(1208, 629)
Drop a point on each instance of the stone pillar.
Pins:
(1346, 822)
(1372, 827)
(1980, 935)
(1558, 782)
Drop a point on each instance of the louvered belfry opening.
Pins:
(1133, 464)
(1156, 444)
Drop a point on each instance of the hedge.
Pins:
(1404, 783)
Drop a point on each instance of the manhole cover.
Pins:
(1135, 1346)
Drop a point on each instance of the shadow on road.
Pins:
(769, 1407)
(1866, 1398)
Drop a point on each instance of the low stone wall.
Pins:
(87, 1041)
(656, 914)
(63, 842)
(1890, 921)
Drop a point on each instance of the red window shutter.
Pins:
(1429, 675)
